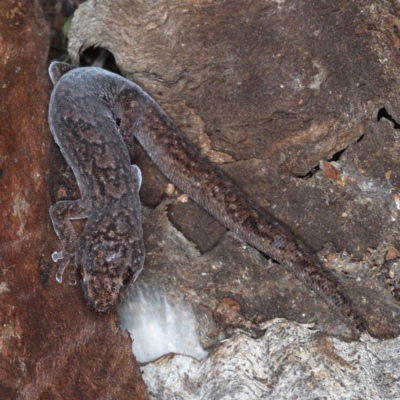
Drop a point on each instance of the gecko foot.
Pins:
(57, 255)
(71, 275)
(66, 262)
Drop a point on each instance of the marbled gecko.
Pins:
(94, 115)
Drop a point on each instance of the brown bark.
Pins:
(52, 345)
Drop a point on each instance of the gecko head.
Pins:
(108, 272)
(103, 292)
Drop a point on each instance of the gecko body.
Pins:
(109, 103)
(109, 253)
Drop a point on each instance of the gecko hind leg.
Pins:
(61, 215)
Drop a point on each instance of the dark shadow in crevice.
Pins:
(95, 56)
(382, 113)
(360, 138)
(396, 31)
(310, 173)
(337, 155)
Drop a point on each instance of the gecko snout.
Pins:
(104, 293)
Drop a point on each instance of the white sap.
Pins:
(159, 325)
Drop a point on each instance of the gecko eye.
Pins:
(127, 277)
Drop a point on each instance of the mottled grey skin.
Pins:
(109, 253)
(98, 95)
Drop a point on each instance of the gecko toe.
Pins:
(57, 255)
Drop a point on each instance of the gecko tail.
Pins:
(58, 69)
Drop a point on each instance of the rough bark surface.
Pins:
(273, 91)
(52, 345)
(290, 361)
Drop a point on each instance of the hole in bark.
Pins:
(100, 57)
(118, 121)
(382, 113)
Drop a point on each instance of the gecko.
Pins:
(94, 115)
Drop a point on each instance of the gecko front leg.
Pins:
(61, 215)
